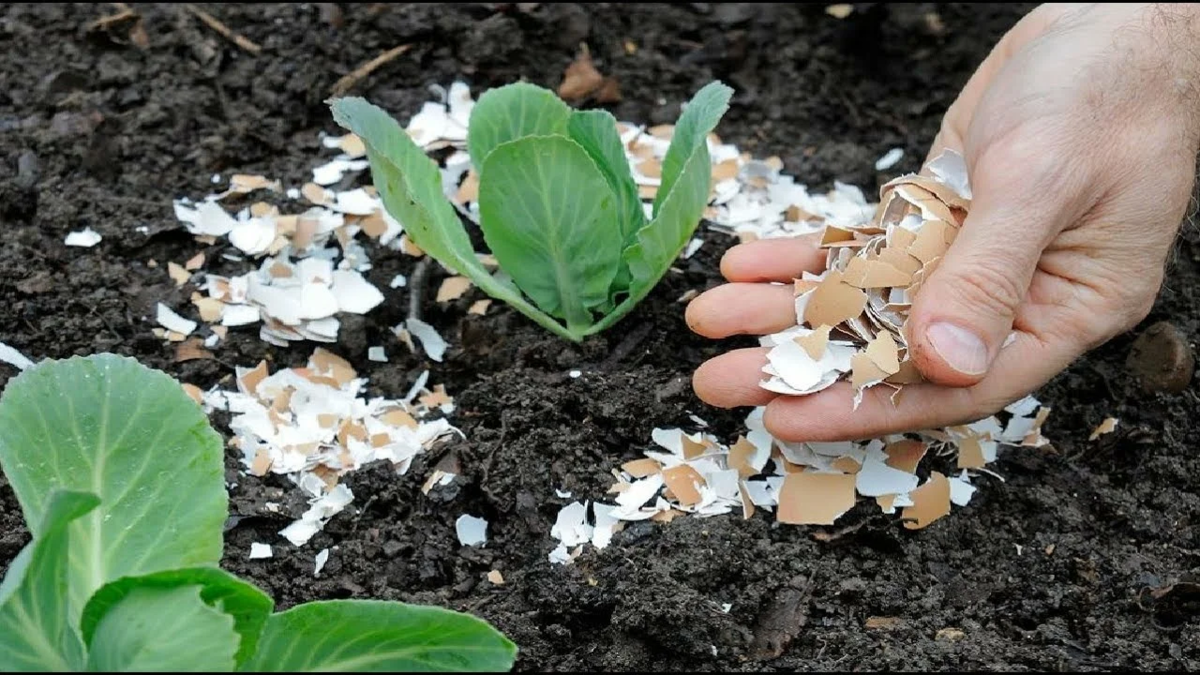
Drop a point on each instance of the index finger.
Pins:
(781, 259)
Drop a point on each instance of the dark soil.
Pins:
(1049, 569)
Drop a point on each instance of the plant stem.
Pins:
(510, 296)
(416, 289)
(620, 310)
(547, 322)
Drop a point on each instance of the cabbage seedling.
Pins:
(558, 204)
(121, 481)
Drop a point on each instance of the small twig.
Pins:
(416, 289)
(129, 200)
(355, 76)
(213, 23)
(93, 310)
(362, 512)
(474, 606)
(835, 535)
(104, 22)
(491, 460)
(33, 330)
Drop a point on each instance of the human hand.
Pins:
(1080, 132)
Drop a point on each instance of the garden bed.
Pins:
(1068, 562)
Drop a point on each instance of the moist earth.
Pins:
(1081, 557)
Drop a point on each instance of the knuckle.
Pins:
(1092, 321)
(1039, 154)
(987, 287)
(993, 403)
(1131, 311)
(950, 129)
(1138, 314)
(1124, 309)
(971, 404)
(729, 261)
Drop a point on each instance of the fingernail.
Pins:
(960, 348)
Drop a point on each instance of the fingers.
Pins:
(747, 306)
(731, 379)
(829, 415)
(742, 309)
(782, 259)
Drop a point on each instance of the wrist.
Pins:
(1160, 41)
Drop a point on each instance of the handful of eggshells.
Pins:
(850, 318)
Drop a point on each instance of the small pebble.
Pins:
(1162, 359)
(28, 170)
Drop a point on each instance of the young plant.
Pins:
(558, 205)
(121, 481)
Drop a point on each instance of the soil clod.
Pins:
(782, 620)
(1162, 359)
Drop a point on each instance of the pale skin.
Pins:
(1080, 131)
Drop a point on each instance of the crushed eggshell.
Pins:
(332, 171)
(471, 531)
(354, 294)
(961, 489)
(194, 393)
(573, 529)
(311, 264)
(876, 478)
(190, 350)
(436, 479)
(931, 501)
(840, 11)
(13, 357)
(260, 551)
(1106, 427)
(167, 318)
(320, 559)
(85, 238)
(452, 288)
(802, 483)
(811, 498)
(321, 509)
(430, 339)
(889, 159)
(178, 273)
(313, 424)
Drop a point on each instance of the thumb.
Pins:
(965, 310)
